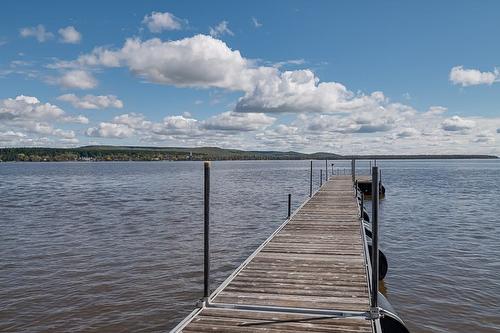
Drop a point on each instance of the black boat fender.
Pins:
(368, 229)
(390, 321)
(366, 217)
(383, 265)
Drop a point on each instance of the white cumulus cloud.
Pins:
(308, 114)
(472, 77)
(408, 132)
(28, 107)
(133, 120)
(234, 121)
(158, 22)
(77, 78)
(301, 91)
(92, 101)
(70, 35)
(207, 62)
(176, 125)
(24, 119)
(110, 130)
(198, 61)
(456, 123)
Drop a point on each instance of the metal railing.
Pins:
(373, 271)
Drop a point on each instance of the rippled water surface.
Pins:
(114, 247)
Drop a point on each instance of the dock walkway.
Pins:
(310, 275)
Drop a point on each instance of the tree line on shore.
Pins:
(124, 153)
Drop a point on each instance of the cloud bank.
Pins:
(92, 101)
(25, 120)
(275, 108)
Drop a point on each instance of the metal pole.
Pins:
(206, 235)
(289, 205)
(326, 170)
(370, 167)
(311, 181)
(362, 205)
(356, 187)
(353, 169)
(375, 203)
(320, 177)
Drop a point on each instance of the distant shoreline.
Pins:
(131, 153)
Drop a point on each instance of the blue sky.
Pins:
(351, 76)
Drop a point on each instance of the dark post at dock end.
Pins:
(375, 203)
(353, 169)
(289, 205)
(206, 234)
(320, 177)
(311, 181)
(326, 170)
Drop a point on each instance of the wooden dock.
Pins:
(311, 275)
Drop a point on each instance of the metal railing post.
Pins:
(326, 170)
(374, 257)
(353, 169)
(289, 205)
(320, 177)
(311, 181)
(206, 234)
(362, 205)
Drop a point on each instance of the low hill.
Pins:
(137, 153)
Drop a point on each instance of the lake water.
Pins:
(115, 247)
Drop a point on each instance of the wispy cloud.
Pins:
(38, 32)
(79, 79)
(221, 29)
(295, 62)
(92, 101)
(256, 23)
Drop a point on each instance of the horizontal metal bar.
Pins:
(180, 326)
(283, 309)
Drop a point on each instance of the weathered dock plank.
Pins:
(316, 261)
